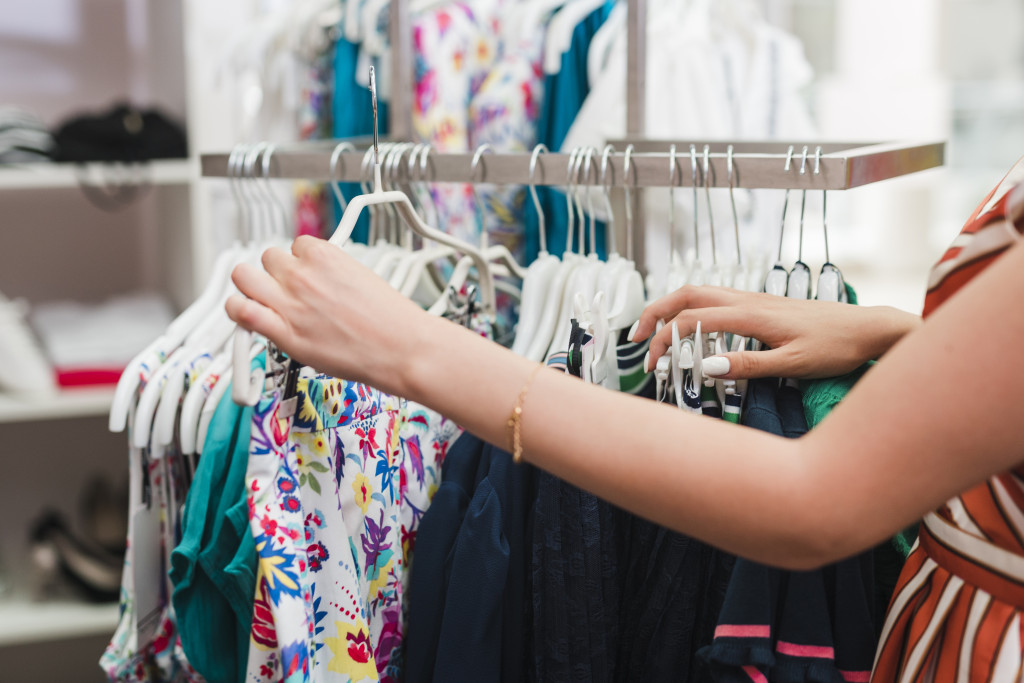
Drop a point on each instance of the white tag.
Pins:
(145, 549)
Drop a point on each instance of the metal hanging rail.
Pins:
(757, 165)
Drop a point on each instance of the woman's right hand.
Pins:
(806, 338)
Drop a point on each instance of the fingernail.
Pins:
(715, 366)
(632, 331)
(647, 361)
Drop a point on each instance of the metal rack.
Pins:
(756, 165)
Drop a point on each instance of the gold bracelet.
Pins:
(516, 418)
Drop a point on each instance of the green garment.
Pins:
(820, 397)
(213, 569)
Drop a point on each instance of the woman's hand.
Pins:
(807, 338)
(328, 311)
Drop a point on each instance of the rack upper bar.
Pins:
(756, 165)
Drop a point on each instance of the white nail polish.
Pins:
(632, 331)
(716, 366)
(647, 361)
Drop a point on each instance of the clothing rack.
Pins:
(756, 165)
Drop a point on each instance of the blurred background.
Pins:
(103, 240)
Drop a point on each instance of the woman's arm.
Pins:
(936, 416)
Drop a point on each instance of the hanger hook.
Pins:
(824, 201)
(366, 170)
(474, 164)
(569, 184)
(672, 201)
(540, 147)
(694, 175)
(606, 183)
(373, 101)
(424, 154)
(803, 205)
(785, 202)
(629, 200)
(249, 170)
(275, 200)
(335, 183)
(708, 170)
(237, 153)
(730, 167)
(588, 166)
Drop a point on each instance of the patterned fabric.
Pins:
(339, 477)
(455, 49)
(158, 479)
(956, 612)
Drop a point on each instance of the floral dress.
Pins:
(339, 476)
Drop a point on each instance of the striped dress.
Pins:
(957, 610)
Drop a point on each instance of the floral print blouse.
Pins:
(339, 477)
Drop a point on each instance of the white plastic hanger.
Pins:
(623, 286)
(539, 278)
(777, 280)
(572, 264)
(799, 283)
(830, 279)
(544, 341)
(247, 393)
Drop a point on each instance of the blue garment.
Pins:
(213, 568)
(770, 614)
(564, 94)
(468, 575)
(352, 114)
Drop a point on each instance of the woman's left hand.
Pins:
(328, 311)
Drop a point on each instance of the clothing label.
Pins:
(146, 551)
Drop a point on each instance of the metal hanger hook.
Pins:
(672, 200)
(824, 202)
(335, 183)
(473, 166)
(708, 170)
(606, 184)
(785, 202)
(373, 101)
(693, 173)
(803, 205)
(537, 150)
(730, 168)
(626, 163)
(589, 166)
(569, 184)
(275, 200)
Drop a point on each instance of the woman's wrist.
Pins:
(889, 325)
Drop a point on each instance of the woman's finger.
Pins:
(259, 286)
(779, 362)
(256, 317)
(747, 321)
(690, 296)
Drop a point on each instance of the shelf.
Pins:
(32, 622)
(85, 402)
(42, 175)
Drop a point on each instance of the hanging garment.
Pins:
(213, 568)
(787, 626)
(330, 471)
(957, 609)
(564, 94)
(467, 591)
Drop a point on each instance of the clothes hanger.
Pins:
(588, 276)
(799, 284)
(157, 407)
(540, 275)
(247, 393)
(830, 280)
(716, 276)
(624, 286)
(396, 250)
(777, 279)
(697, 274)
(544, 340)
(677, 271)
(125, 393)
(574, 264)
(355, 248)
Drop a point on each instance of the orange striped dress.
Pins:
(957, 610)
